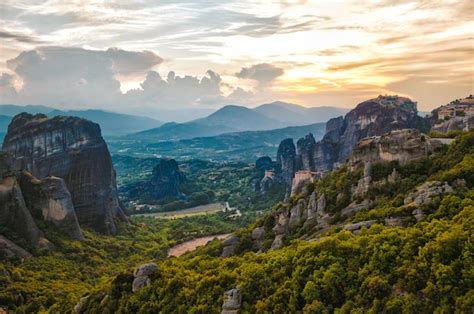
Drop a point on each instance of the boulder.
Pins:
(230, 246)
(278, 242)
(141, 276)
(232, 302)
(359, 225)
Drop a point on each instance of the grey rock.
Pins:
(142, 274)
(9, 250)
(359, 225)
(80, 306)
(230, 246)
(145, 270)
(232, 302)
(278, 242)
(425, 193)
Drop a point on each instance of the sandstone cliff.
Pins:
(166, 178)
(74, 150)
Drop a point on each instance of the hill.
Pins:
(233, 118)
(241, 118)
(111, 123)
(298, 115)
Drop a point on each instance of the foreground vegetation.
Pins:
(421, 266)
(56, 280)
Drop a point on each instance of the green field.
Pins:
(193, 211)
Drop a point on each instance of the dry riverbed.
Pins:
(191, 245)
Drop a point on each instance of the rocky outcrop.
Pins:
(166, 179)
(370, 118)
(258, 236)
(50, 200)
(230, 245)
(74, 150)
(141, 276)
(359, 225)
(424, 193)
(401, 145)
(232, 302)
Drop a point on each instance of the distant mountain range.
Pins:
(234, 118)
(244, 146)
(111, 123)
(298, 115)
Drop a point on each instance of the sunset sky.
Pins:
(141, 56)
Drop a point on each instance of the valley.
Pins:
(319, 222)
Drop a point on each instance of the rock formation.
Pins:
(370, 118)
(232, 302)
(401, 145)
(424, 193)
(142, 274)
(166, 178)
(74, 150)
(50, 200)
(14, 214)
(286, 160)
(230, 245)
(9, 250)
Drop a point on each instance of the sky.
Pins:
(146, 56)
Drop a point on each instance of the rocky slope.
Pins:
(71, 149)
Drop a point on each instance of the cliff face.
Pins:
(74, 150)
(401, 145)
(14, 214)
(370, 118)
(286, 160)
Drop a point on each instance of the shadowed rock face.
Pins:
(74, 150)
(50, 200)
(286, 159)
(14, 215)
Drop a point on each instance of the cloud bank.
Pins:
(84, 78)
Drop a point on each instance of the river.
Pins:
(191, 245)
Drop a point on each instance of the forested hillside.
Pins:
(419, 264)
